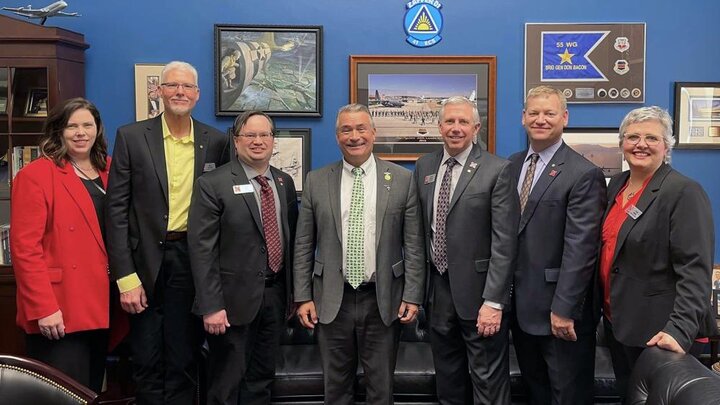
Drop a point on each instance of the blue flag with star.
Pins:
(566, 56)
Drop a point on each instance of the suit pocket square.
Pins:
(552, 275)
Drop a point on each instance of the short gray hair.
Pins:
(178, 65)
(546, 91)
(353, 108)
(652, 113)
(460, 100)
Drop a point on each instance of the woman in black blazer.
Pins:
(657, 248)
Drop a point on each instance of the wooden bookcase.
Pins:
(39, 67)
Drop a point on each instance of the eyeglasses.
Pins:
(650, 140)
(252, 135)
(174, 86)
(348, 130)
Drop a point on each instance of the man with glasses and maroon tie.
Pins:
(241, 232)
(155, 163)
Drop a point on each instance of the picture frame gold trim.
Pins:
(409, 147)
(697, 115)
(147, 90)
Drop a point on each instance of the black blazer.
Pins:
(227, 244)
(661, 270)
(558, 242)
(481, 228)
(137, 196)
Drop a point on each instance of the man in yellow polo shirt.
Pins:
(155, 163)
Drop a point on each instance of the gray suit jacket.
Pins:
(660, 272)
(137, 196)
(481, 228)
(227, 246)
(558, 242)
(400, 267)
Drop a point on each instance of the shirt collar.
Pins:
(251, 173)
(547, 154)
(369, 164)
(186, 139)
(460, 157)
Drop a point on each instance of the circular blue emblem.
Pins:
(423, 22)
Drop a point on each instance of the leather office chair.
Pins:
(25, 381)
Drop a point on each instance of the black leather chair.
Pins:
(25, 381)
(661, 377)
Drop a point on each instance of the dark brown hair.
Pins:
(244, 117)
(52, 143)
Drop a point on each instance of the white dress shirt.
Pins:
(369, 180)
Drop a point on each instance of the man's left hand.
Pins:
(407, 312)
(563, 328)
(488, 321)
(666, 342)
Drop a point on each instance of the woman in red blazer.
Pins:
(58, 253)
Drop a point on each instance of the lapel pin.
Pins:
(387, 186)
(201, 146)
(280, 180)
(553, 172)
(388, 176)
(473, 165)
(429, 178)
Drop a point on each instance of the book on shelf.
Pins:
(23, 155)
(5, 243)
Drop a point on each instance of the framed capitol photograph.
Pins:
(598, 145)
(37, 103)
(405, 93)
(148, 103)
(697, 115)
(272, 68)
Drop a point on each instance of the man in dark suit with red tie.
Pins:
(241, 231)
(562, 198)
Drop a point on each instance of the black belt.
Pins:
(364, 286)
(173, 236)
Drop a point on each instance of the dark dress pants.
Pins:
(81, 355)
(556, 371)
(165, 337)
(358, 333)
(242, 361)
(457, 347)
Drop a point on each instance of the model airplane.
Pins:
(52, 10)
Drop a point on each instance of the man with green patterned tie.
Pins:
(359, 267)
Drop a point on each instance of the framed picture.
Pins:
(37, 103)
(716, 277)
(291, 154)
(275, 69)
(405, 93)
(148, 103)
(716, 303)
(588, 63)
(697, 115)
(598, 145)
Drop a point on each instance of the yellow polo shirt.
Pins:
(180, 165)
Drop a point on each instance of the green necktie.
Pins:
(355, 246)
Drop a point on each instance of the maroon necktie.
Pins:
(270, 225)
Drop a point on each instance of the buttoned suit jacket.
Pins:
(137, 196)
(481, 228)
(558, 241)
(400, 259)
(662, 264)
(226, 240)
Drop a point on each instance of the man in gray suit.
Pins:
(470, 210)
(359, 261)
(562, 198)
(240, 232)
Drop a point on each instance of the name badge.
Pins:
(243, 189)
(633, 211)
(208, 167)
(430, 178)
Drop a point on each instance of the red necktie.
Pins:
(270, 225)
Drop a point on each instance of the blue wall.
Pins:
(682, 45)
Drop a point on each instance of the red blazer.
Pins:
(58, 253)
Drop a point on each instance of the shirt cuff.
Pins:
(128, 282)
(491, 304)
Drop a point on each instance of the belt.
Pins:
(173, 236)
(363, 287)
